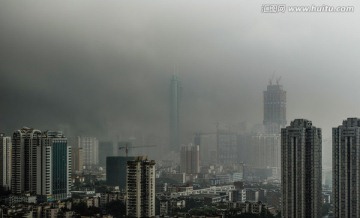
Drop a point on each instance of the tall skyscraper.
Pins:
(190, 159)
(274, 108)
(140, 188)
(175, 97)
(90, 151)
(301, 170)
(26, 144)
(346, 168)
(5, 161)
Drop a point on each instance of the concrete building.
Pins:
(116, 169)
(5, 161)
(346, 168)
(175, 99)
(274, 108)
(26, 144)
(190, 159)
(140, 188)
(301, 170)
(90, 151)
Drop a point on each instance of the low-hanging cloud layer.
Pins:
(104, 67)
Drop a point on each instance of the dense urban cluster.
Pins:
(274, 170)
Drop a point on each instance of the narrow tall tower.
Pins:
(5, 161)
(175, 97)
(274, 108)
(346, 168)
(301, 170)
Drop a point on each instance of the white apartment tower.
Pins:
(90, 151)
(140, 188)
(5, 160)
(301, 170)
(346, 168)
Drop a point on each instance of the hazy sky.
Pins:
(106, 65)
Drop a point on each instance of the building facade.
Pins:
(346, 168)
(190, 159)
(140, 188)
(301, 170)
(5, 161)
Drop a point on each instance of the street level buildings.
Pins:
(301, 170)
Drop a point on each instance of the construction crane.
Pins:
(126, 147)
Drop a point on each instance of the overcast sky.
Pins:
(101, 67)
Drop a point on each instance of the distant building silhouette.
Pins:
(301, 170)
(190, 159)
(274, 108)
(90, 151)
(346, 168)
(175, 98)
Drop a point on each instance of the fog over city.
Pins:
(103, 68)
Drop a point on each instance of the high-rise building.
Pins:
(189, 159)
(116, 171)
(301, 169)
(41, 164)
(274, 108)
(5, 161)
(55, 166)
(140, 188)
(90, 151)
(26, 144)
(346, 168)
(175, 98)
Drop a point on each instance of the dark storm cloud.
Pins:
(105, 66)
